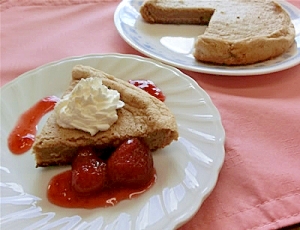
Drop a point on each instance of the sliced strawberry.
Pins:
(88, 171)
(131, 164)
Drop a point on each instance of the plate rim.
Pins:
(295, 60)
(186, 216)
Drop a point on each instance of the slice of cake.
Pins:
(239, 32)
(142, 116)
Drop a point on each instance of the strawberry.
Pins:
(88, 171)
(131, 164)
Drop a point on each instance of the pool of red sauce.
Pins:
(23, 135)
(60, 191)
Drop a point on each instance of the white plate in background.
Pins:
(173, 44)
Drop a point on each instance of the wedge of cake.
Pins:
(142, 116)
(239, 32)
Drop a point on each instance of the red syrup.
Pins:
(149, 87)
(61, 193)
(23, 135)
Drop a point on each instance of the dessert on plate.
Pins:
(133, 113)
(239, 32)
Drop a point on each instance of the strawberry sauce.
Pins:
(149, 87)
(61, 192)
(23, 135)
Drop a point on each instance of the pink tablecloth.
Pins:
(259, 184)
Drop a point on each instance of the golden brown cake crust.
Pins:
(143, 116)
(239, 32)
(176, 12)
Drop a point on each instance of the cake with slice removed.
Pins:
(239, 32)
(143, 116)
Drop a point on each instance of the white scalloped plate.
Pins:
(187, 169)
(173, 44)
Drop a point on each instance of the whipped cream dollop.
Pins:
(90, 106)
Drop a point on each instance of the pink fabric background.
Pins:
(259, 184)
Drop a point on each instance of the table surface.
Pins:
(259, 184)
